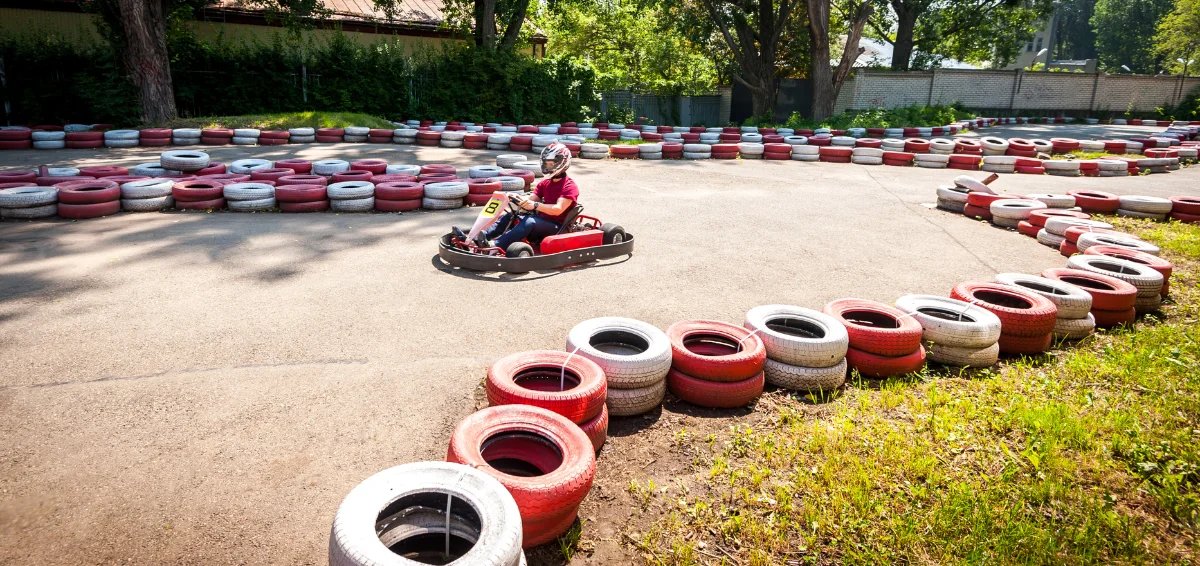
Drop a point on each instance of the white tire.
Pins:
(972, 184)
(447, 190)
(246, 133)
(630, 402)
(1148, 281)
(147, 204)
(185, 141)
(350, 190)
(146, 188)
(1066, 166)
(450, 143)
(863, 160)
(39, 135)
(951, 205)
(153, 170)
(385, 506)
(1054, 201)
(1003, 160)
(866, 152)
(1058, 226)
(799, 378)
(248, 191)
(120, 143)
(186, 133)
(366, 204)
(1049, 239)
(508, 183)
(1074, 328)
(811, 150)
(963, 357)
(122, 135)
(247, 166)
(593, 155)
(49, 144)
(238, 140)
(1148, 303)
(1089, 240)
(25, 197)
(1136, 214)
(484, 171)
(61, 171)
(441, 203)
(650, 156)
(951, 322)
(357, 130)
(31, 212)
(1071, 301)
(1015, 209)
(798, 336)
(327, 167)
(697, 155)
(1005, 222)
(301, 132)
(184, 160)
(531, 166)
(632, 353)
(931, 158)
(952, 193)
(401, 169)
(251, 205)
(1151, 205)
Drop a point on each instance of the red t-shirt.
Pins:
(550, 191)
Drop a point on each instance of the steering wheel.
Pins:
(514, 207)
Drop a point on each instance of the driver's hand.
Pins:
(527, 204)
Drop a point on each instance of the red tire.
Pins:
(1108, 293)
(597, 429)
(16, 135)
(1021, 313)
(484, 186)
(199, 204)
(55, 181)
(985, 200)
(16, 185)
(273, 174)
(84, 136)
(533, 378)
(1038, 217)
(214, 141)
(1073, 233)
(223, 178)
(1112, 319)
(99, 172)
(88, 192)
(1186, 205)
(92, 210)
(17, 176)
(300, 166)
(1031, 170)
(1152, 261)
(438, 169)
(546, 462)
(309, 206)
(216, 168)
(331, 132)
(716, 351)
(328, 139)
(154, 142)
(84, 144)
(375, 166)
(715, 394)
(526, 175)
(198, 191)
(301, 180)
(876, 328)
(300, 193)
(1068, 249)
(977, 212)
(1096, 201)
(399, 191)
(1026, 345)
(1186, 218)
(385, 205)
(273, 135)
(477, 200)
(393, 178)
(1027, 229)
(874, 365)
(351, 176)
(216, 133)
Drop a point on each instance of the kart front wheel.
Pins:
(613, 234)
(519, 249)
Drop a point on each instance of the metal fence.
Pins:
(662, 109)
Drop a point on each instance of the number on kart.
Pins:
(491, 208)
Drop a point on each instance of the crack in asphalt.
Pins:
(931, 223)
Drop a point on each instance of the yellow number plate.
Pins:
(490, 209)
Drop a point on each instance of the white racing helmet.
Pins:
(556, 158)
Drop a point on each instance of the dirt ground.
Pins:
(207, 387)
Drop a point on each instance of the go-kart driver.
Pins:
(550, 201)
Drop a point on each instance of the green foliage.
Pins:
(255, 77)
(1188, 109)
(620, 114)
(283, 121)
(1178, 35)
(967, 30)
(622, 41)
(906, 117)
(1123, 32)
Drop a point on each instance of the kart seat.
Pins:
(569, 219)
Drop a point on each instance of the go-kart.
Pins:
(580, 239)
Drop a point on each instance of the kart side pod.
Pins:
(571, 241)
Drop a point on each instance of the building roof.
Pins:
(409, 11)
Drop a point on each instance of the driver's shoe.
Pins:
(482, 242)
(459, 234)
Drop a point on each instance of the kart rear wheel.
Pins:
(519, 249)
(613, 234)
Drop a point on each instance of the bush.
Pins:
(906, 117)
(284, 74)
(1188, 109)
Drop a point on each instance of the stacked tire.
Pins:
(1113, 300)
(805, 349)
(715, 364)
(444, 195)
(249, 197)
(406, 509)
(351, 196)
(27, 201)
(1074, 320)
(571, 386)
(884, 341)
(48, 140)
(88, 199)
(121, 138)
(17, 137)
(400, 196)
(199, 194)
(1148, 281)
(1010, 213)
(301, 193)
(185, 136)
(155, 137)
(544, 461)
(1186, 209)
(953, 332)
(1135, 206)
(1026, 319)
(634, 356)
(148, 195)
(1137, 256)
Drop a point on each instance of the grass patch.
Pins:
(1088, 455)
(283, 121)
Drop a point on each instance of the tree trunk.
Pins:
(485, 23)
(826, 82)
(513, 30)
(144, 23)
(906, 24)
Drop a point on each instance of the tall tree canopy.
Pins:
(827, 82)
(1074, 38)
(479, 18)
(1124, 29)
(969, 30)
(1178, 36)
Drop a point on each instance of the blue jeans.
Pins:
(524, 227)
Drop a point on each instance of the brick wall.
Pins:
(1013, 90)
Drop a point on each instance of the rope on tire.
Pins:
(562, 379)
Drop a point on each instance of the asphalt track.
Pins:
(206, 387)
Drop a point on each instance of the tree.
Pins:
(479, 17)
(1074, 37)
(1178, 35)
(827, 82)
(1123, 30)
(964, 29)
(753, 30)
